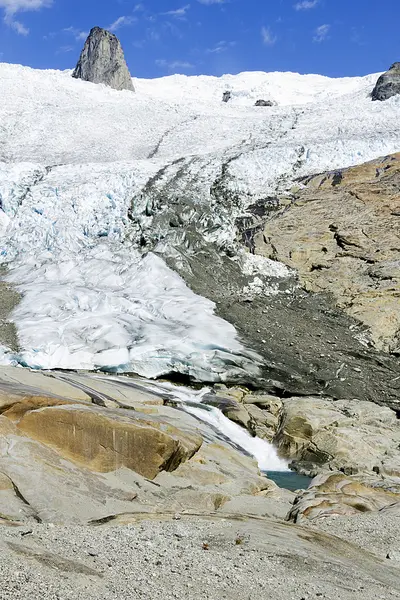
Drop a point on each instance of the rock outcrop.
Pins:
(388, 84)
(102, 61)
(319, 434)
(351, 436)
(338, 494)
(340, 233)
(264, 103)
(75, 448)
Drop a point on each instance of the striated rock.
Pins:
(105, 442)
(102, 61)
(351, 436)
(341, 235)
(67, 462)
(388, 84)
(338, 494)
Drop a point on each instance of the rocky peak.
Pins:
(102, 61)
(388, 84)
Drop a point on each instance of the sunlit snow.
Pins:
(75, 157)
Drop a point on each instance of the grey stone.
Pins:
(388, 84)
(226, 96)
(102, 61)
(264, 103)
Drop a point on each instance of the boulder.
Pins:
(264, 103)
(351, 436)
(388, 84)
(229, 404)
(263, 423)
(226, 96)
(102, 61)
(338, 494)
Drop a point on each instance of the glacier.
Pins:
(90, 179)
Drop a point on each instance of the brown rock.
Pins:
(351, 436)
(341, 235)
(105, 442)
(338, 494)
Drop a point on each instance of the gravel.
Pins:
(187, 559)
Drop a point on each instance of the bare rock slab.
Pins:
(333, 494)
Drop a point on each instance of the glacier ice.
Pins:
(77, 162)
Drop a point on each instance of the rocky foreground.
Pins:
(107, 491)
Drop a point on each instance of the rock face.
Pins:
(264, 103)
(388, 84)
(102, 61)
(351, 436)
(337, 494)
(320, 434)
(340, 233)
(104, 443)
(75, 449)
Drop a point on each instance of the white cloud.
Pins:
(306, 4)
(12, 7)
(77, 33)
(179, 13)
(121, 22)
(220, 47)
(267, 36)
(212, 1)
(16, 25)
(321, 33)
(65, 49)
(174, 65)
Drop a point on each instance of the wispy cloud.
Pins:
(179, 13)
(78, 34)
(16, 25)
(12, 7)
(306, 4)
(65, 49)
(123, 21)
(212, 1)
(221, 46)
(321, 33)
(268, 37)
(174, 65)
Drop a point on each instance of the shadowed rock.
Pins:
(388, 84)
(102, 61)
(264, 103)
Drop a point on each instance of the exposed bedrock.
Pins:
(329, 325)
(318, 434)
(388, 84)
(335, 494)
(66, 459)
(102, 61)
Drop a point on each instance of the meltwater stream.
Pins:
(191, 401)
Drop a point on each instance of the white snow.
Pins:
(75, 157)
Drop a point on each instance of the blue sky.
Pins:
(331, 37)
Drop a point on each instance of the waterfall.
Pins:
(191, 401)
